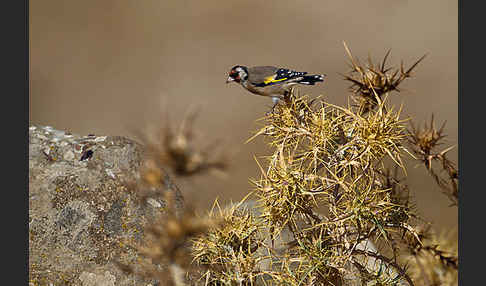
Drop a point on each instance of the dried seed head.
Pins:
(370, 83)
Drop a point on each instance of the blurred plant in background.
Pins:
(179, 149)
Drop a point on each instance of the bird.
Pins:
(271, 81)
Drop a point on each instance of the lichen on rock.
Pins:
(82, 212)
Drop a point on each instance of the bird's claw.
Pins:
(271, 110)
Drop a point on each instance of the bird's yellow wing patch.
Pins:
(271, 79)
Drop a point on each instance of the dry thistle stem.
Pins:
(228, 251)
(423, 143)
(333, 156)
(178, 149)
(165, 249)
(371, 82)
(166, 246)
(436, 261)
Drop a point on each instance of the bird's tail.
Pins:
(311, 79)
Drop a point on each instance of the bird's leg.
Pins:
(288, 94)
(275, 101)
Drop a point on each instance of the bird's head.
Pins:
(237, 74)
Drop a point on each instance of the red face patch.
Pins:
(234, 74)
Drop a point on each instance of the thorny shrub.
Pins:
(329, 210)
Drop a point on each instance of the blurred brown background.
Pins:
(107, 66)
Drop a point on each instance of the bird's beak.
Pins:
(230, 79)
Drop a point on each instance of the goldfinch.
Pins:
(270, 81)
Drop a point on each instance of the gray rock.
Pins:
(82, 215)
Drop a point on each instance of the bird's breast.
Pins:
(253, 89)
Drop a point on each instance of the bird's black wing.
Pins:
(279, 76)
(284, 74)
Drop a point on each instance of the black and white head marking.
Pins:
(238, 74)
